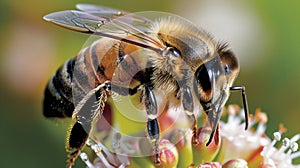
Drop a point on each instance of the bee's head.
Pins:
(194, 55)
(214, 78)
(212, 83)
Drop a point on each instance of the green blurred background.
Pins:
(264, 33)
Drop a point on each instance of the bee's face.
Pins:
(214, 78)
(212, 67)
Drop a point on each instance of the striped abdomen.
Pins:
(104, 60)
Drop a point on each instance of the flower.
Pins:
(241, 143)
(210, 165)
(203, 153)
(232, 147)
(168, 154)
(283, 156)
(236, 163)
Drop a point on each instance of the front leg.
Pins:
(90, 108)
(188, 106)
(149, 100)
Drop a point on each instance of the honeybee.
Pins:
(137, 55)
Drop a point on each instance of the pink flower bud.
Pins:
(210, 165)
(236, 163)
(182, 140)
(168, 154)
(203, 153)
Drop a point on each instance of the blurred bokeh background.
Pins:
(265, 35)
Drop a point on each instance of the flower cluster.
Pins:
(232, 147)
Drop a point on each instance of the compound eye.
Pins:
(202, 77)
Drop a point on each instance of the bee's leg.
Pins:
(88, 109)
(76, 141)
(152, 123)
(125, 91)
(188, 106)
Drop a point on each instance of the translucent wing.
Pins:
(76, 20)
(101, 10)
(139, 21)
(142, 23)
(105, 24)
